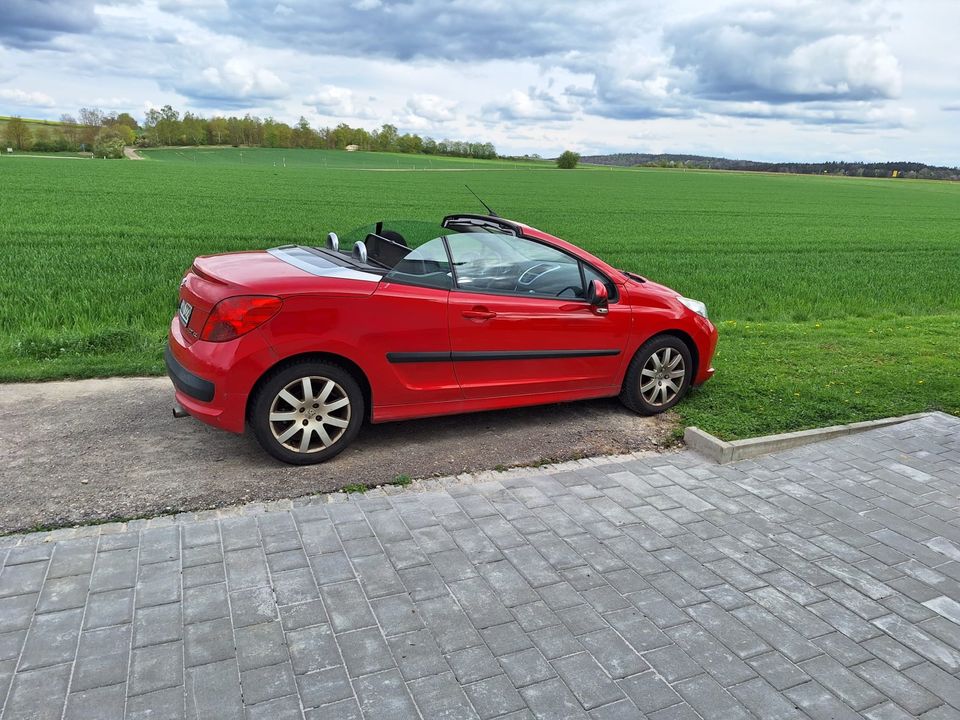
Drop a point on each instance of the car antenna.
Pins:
(489, 209)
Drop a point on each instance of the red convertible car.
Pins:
(305, 343)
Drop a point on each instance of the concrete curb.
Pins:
(722, 452)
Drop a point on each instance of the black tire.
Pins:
(331, 412)
(636, 392)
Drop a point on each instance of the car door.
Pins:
(412, 340)
(520, 323)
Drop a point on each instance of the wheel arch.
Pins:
(691, 346)
(346, 363)
(685, 339)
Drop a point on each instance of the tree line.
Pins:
(910, 170)
(97, 132)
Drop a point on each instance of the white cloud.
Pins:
(432, 108)
(25, 98)
(237, 80)
(786, 53)
(531, 106)
(336, 101)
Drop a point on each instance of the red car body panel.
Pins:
(519, 324)
(404, 339)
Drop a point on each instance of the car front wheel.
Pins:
(659, 375)
(307, 413)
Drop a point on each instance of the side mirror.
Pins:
(333, 242)
(598, 297)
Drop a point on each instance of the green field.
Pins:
(837, 298)
(293, 159)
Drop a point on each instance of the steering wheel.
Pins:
(575, 288)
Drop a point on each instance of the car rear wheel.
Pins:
(307, 413)
(659, 375)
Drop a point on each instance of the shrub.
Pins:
(109, 143)
(568, 160)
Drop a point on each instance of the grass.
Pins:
(33, 121)
(399, 480)
(836, 298)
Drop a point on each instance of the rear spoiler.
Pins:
(466, 223)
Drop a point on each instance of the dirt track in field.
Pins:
(89, 450)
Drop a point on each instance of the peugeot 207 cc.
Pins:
(305, 343)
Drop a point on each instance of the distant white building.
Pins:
(352, 148)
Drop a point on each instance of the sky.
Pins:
(802, 80)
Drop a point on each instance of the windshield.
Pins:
(493, 263)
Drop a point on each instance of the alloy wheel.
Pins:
(662, 376)
(310, 414)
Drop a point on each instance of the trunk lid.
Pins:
(213, 278)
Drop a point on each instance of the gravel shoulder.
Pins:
(92, 450)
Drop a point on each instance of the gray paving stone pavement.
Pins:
(821, 582)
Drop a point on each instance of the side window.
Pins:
(427, 265)
(589, 275)
(509, 265)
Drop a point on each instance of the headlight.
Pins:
(698, 307)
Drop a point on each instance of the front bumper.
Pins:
(707, 346)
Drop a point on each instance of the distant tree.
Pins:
(126, 133)
(18, 134)
(302, 135)
(340, 136)
(42, 142)
(387, 138)
(92, 117)
(162, 127)
(218, 129)
(251, 130)
(361, 138)
(109, 143)
(568, 160)
(276, 134)
(169, 126)
(128, 120)
(410, 144)
(166, 127)
(193, 129)
(235, 131)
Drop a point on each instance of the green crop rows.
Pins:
(837, 299)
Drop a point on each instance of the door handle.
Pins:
(479, 313)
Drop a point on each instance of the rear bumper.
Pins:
(185, 381)
(213, 380)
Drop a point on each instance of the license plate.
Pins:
(186, 309)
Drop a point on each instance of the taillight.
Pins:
(237, 316)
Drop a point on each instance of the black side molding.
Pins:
(397, 358)
(185, 381)
(420, 357)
